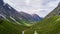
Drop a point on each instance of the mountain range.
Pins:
(8, 12)
(10, 18)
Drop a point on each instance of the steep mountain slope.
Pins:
(1, 3)
(36, 17)
(10, 13)
(46, 26)
(11, 22)
(33, 17)
(7, 27)
(54, 12)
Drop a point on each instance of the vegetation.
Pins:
(46, 26)
(7, 27)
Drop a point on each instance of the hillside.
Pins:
(11, 14)
(46, 26)
(14, 22)
(7, 27)
(54, 12)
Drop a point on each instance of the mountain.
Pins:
(46, 26)
(54, 12)
(7, 27)
(33, 17)
(9, 13)
(10, 18)
(26, 16)
(36, 17)
(12, 21)
(49, 25)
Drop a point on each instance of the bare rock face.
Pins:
(1, 2)
(59, 4)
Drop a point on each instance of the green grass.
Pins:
(46, 26)
(7, 27)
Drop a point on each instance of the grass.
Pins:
(46, 26)
(7, 27)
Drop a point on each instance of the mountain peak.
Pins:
(36, 17)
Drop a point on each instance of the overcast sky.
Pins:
(40, 7)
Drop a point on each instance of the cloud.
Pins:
(40, 7)
(27, 2)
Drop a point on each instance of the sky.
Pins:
(39, 7)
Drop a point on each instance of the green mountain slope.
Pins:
(7, 27)
(18, 21)
(46, 26)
